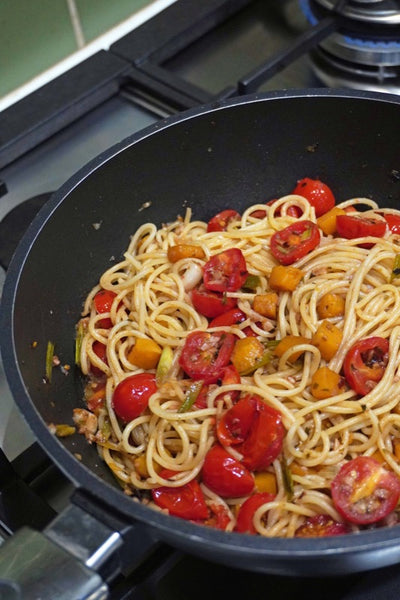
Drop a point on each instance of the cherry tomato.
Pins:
(365, 364)
(219, 518)
(131, 396)
(364, 492)
(319, 195)
(321, 526)
(393, 222)
(292, 211)
(255, 428)
(103, 302)
(229, 375)
(186, 501)
(295, 241)
(101, 351)
(226, 271)
(211, 304)
(356, 226)
(221, 220)
(205, 354)
(230, 317)
(225, 475)
(244, 522)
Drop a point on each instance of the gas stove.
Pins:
(190, 54)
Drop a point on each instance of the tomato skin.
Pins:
(230, 317)
(211, 304)
(225, 475)
(101, 351)
(226, 271)
(365, 363)
(219, 518)
(131, 396)
(295, 241)
(393, 222)
(244, 522)
(255, 428)
(321, 526)
(380, 500)
(356, 226)
(103, 302)
(186, 501)
(318, 194)
(222, 219)
(229, 375)
(205, 354)
(292, 211)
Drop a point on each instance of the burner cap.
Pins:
(369, 11)
(15, 223)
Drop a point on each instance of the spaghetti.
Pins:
(164, 448)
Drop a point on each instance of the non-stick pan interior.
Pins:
(226, 156)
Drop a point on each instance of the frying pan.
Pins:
(226, 155)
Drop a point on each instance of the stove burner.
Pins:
(364, 53)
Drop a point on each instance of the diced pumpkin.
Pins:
(285, 278)
(298, 469)
(330, 305)
(327, 339)
(145, 354)
(141, 466)
(266, 304)
(327, 222)
(247, 352)
(396, 448)
(326, 383)
(289, 341)
(180, 251)
(265, 482)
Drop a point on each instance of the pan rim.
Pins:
(84, 478)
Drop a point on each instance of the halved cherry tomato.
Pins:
(225, 475)
(226, 271)
(205, 355)
(357, 226)
(321, 526)
(211, 304)
(131, 396)
(221, 220)
(319, 195)
(103, 302)
(230, 317)
(101, 351)
(219, 518)
(365, 364)
(364, 492)
(393, 222)
(186, 501)
(244, 522)
(229, 375)
(255, 428)
(295, 241)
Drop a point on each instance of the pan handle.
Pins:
(60, 562)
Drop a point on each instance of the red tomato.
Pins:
(230, 317)
(225, 475)
(205, 354)
(364, 492)
(103, 301)
(101, 351)
(255, 428)
(356, 226)
(292, 211)
(221, 220)
(226, 271)
(186, 501)
(295, 241)
(229, 375)
(244, 523)
(321, 526)
(131, 396)
(365, 364)
(219, 518)
(393, 222)
(319, 195)
(211, 304)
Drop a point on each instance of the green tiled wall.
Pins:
(36, 34)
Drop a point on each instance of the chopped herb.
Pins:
(78, 343)
(287, 479)
(191, 396)
(164, 365)
(396, 267)
(252, 282)
(49, 360)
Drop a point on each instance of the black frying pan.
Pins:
(222, 156)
